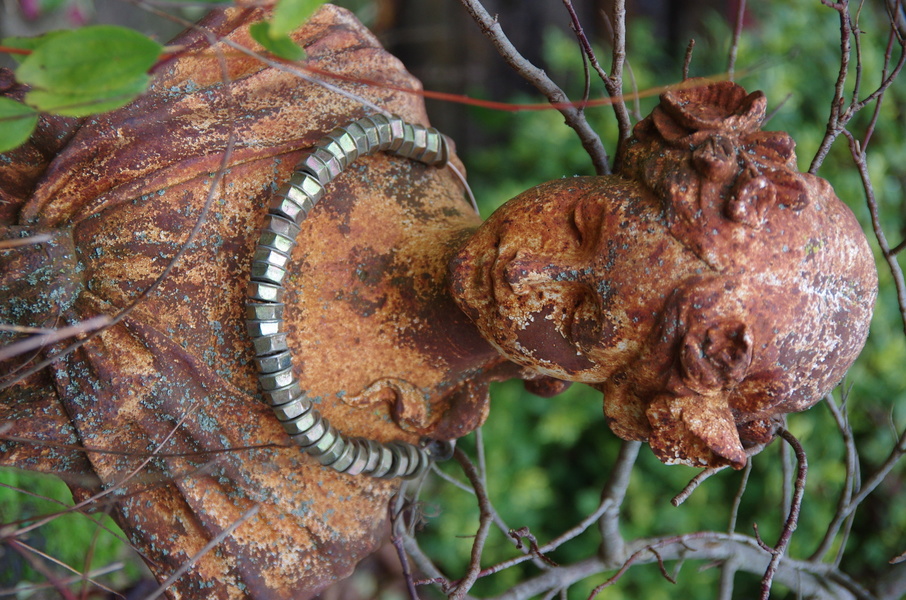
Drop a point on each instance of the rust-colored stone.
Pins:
(707, 289)
(379, 344)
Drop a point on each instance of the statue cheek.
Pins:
(542, 344)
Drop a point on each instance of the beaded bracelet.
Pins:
(289, 206)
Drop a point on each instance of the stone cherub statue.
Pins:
(705, 289)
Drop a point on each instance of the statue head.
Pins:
(707, 289)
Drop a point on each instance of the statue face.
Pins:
(565, 278)
(707, 289)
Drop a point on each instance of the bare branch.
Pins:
(612, 543)
(694, 483)
(573, 116)
(207, 548)
(734, 44)
(792, 519)
(849, 484)
(687, 60)
(861, 162)
(484, 524)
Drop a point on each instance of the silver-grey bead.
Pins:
(400, 462)
(274, 362)
(281, 226)
(283, 394)
(302, 424)
(266, 292)
(263, 312)
(267, 273)
(270, 256)
(261, 328)
(346, 457)
(269, 344)
(293, 409)
(272, 381)
(360, 460)
(384, 462)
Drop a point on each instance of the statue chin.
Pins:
(707, 289)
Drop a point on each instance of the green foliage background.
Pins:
(549, 458)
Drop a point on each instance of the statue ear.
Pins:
(695, 430)
(717, 358)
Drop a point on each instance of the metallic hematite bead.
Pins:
(274, 362)
(359, 136)
(267, 272)
(294, 409)
(271, 381)
(405, 145)
(336, 150)
(276, 241)
(266, 292)
(301, 425)
(281, 226)
(307, 437)
(270, 256)
(324, 441)
(262, 328)
(346, 457)
(263, 312)
(384, 463)
(399, 464)
(360, 461)
(269, 344)
(283, 394)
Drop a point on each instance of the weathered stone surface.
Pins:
(174, 381)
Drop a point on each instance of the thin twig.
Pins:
(207, 548)
(687, 59)
(734, 44)
(861, 162)
(484, 524)
(574, 117)
(849, 483)
(52, 336)
(612, 544)
(614, 83)
(121, 315)
(696, 481)
(792, 518)
(737, 499)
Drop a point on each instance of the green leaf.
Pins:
(17, 121)
(27, 43)
(88, 70)
(281, 46)
(75, 104)
(290, 14)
